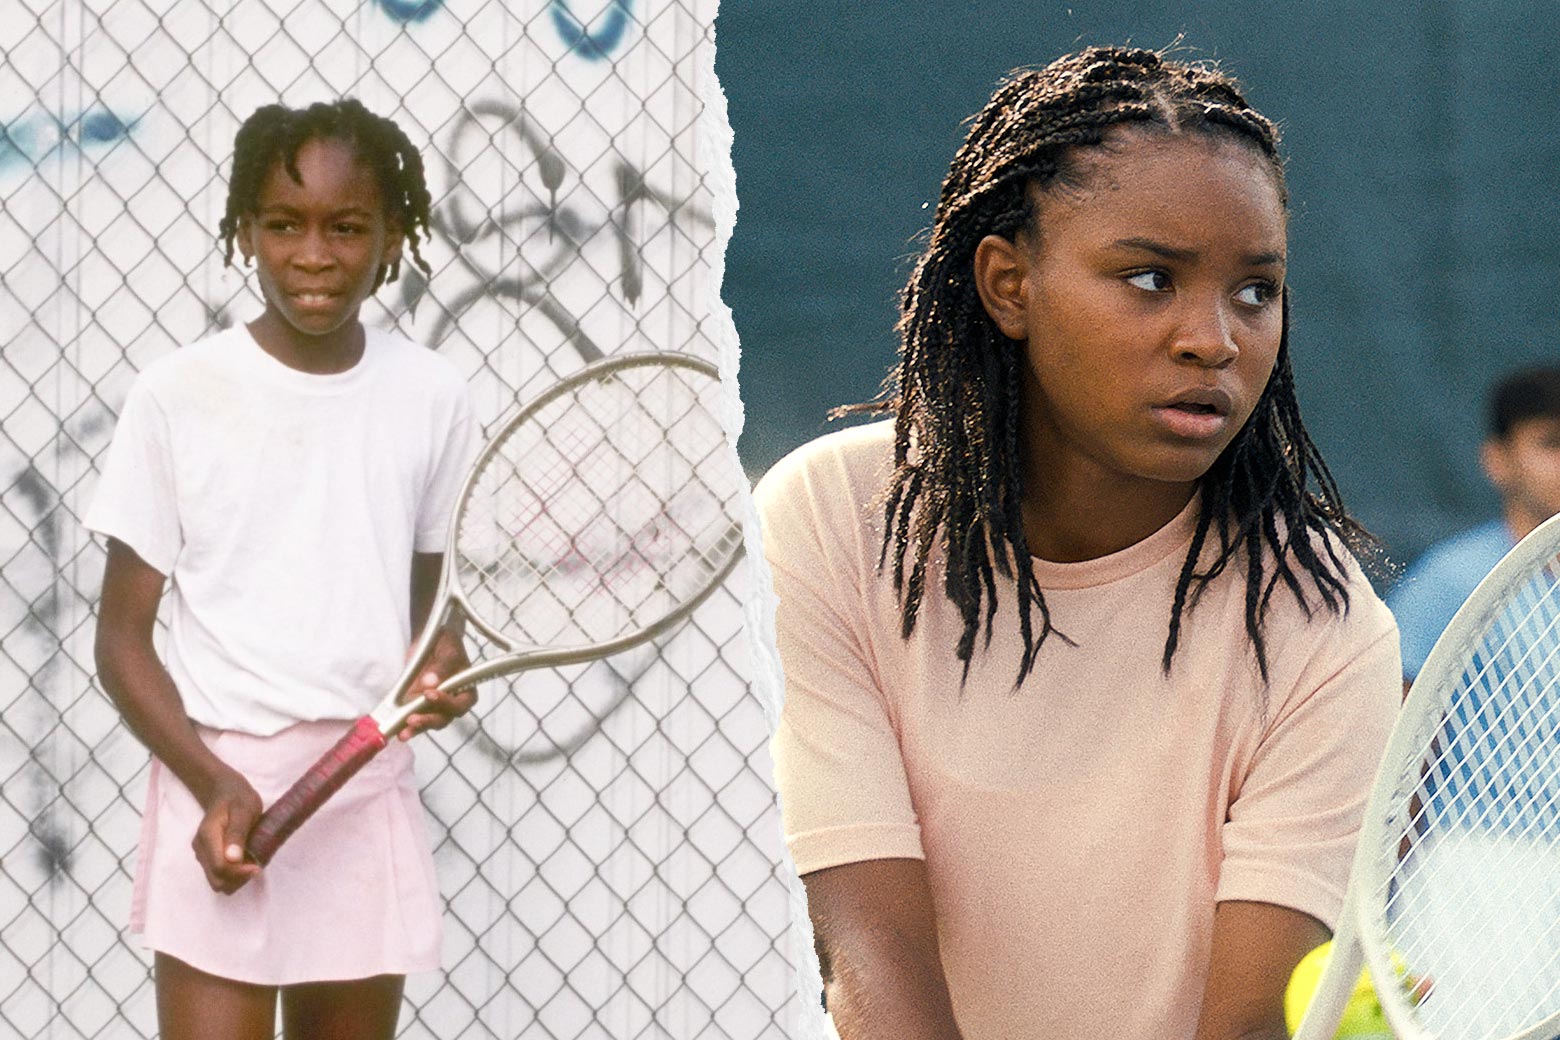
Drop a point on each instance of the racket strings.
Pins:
(1504, 726)
(601, 511)
(1471, 902)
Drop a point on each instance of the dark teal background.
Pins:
(1422, 143)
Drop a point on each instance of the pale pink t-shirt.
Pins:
(1077, 831)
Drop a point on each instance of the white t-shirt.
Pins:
(285, 508)
(1079, 831)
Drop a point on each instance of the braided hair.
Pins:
(955, 396)
(275, 134)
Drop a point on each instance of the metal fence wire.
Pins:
(607, 844)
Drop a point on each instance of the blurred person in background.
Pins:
(1521, 457)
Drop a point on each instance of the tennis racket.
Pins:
(598, 517)
(1454, 899)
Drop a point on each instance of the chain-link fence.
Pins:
(606, 844)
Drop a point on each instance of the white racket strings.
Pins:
(1471, 903)
(601, 511)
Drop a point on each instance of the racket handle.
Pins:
(338, 765)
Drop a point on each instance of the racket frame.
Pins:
(372, 732)
(392, 714)
(1361, 936)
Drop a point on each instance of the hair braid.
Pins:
(957, 484)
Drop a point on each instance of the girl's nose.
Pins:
(1205, 337)
(313, 253)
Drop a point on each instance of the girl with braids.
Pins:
(1083, 685)
(289, 480)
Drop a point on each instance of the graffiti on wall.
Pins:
(34, 138)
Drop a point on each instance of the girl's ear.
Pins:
(1001, 278)
(394, 237)
(241, 237)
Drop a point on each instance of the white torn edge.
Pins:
(714, 140)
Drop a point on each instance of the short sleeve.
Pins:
(1290, 832)
(135, 499)
(844, 793)
(455, 455)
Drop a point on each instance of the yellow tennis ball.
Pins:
(1362, 1016)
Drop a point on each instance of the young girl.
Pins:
(1083, 687)
(289, 481)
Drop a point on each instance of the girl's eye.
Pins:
(348, 229)
(1257, 293)
(1149, 281)
(278, 225)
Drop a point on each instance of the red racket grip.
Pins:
(338, 765)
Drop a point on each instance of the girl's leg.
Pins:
(362, 1009)
(192, 1005)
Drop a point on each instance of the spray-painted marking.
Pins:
(598, 41)
(410, 10)
(31, 139)
(461, 220)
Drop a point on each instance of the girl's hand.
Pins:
(447, 658)
(232, 807)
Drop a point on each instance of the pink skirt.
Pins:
(352, 894)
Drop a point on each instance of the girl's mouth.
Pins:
(1195, 414)
(313, 300)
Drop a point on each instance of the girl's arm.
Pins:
(876, 933)
(1255, 949)
(426, 571)
(143, 691)
(447, 658)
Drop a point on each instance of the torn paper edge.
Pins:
(714, 142)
